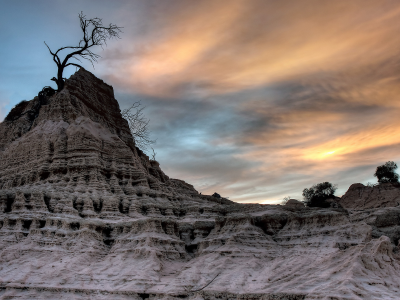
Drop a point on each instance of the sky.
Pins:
(253, 99)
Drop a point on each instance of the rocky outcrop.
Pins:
(359, 196)
(295, 204)
(84, 214)
(78, 141)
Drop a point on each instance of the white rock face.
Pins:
(84, 214)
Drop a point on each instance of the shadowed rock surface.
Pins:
(84, 214)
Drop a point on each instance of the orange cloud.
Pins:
(313, 86)
(248, 44)
(378, 136)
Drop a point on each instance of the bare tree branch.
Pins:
(138, 124)
(94, 34)
(153, 155)
(72, 64)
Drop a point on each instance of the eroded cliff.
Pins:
(84, 214)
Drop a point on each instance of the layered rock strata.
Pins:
(84, 214)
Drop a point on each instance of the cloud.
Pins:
(244, 45)
(257, 100)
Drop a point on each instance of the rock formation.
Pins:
(293, 203)
(84, 214)
(359, 196)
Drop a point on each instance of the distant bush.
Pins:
(216, 195)
(317, 195)
(386, 173)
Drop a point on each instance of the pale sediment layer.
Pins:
(84, 214)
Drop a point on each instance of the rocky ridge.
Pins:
(84, 214)
(359, 196)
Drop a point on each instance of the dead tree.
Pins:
(138, 124)
(153, 155)
(94, 34)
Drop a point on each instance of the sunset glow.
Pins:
(329, 153)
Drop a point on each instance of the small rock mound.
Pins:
(293, 203)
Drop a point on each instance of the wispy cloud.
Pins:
(246, 44)
(260, 99)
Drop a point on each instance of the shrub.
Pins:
(386, 173)
(317, 195)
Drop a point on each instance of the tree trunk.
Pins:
(60, 80)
